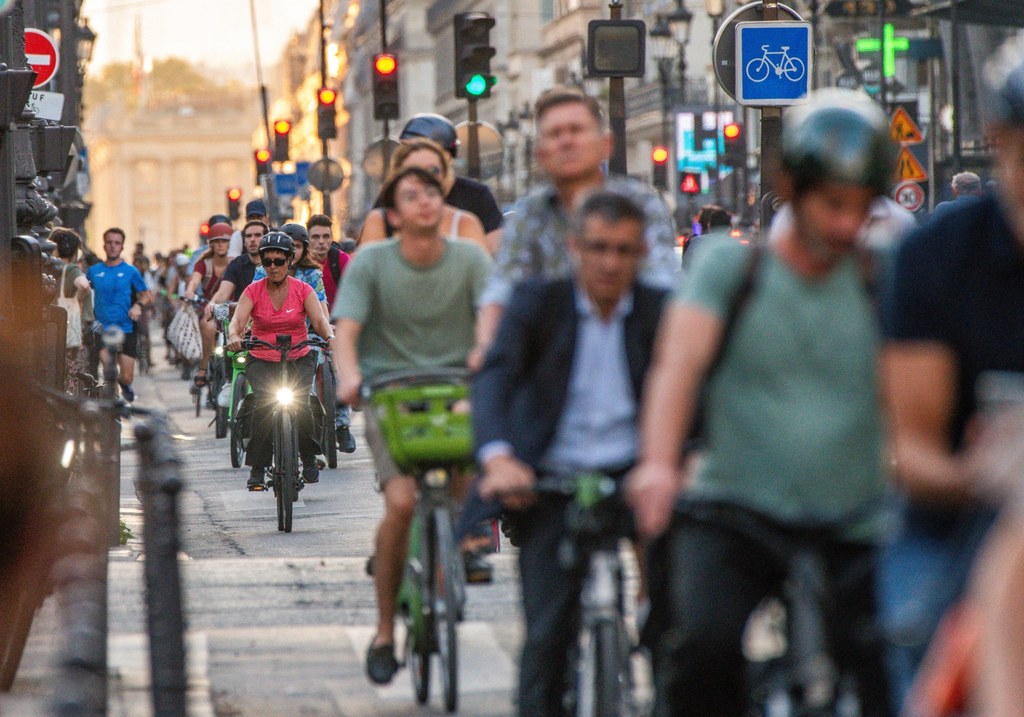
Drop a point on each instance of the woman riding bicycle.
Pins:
(278, 304)
(207, 274)
(304, 267)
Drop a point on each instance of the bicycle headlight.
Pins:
(219, 351)
(68, 455)
(436, 478)
(240, 359)
(285, 396)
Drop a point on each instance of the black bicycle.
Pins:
(804, 680)
(597, 519)
(327, 392)
(284, 470)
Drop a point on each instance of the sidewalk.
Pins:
(127, 646)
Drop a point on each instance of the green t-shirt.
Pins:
(412, 317)
(792, 417)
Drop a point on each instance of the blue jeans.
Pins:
(923, 571)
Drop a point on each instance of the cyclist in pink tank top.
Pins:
(278, 305)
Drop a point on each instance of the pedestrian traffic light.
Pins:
(326, 127)
(282, 130)
(262, 157)
(689, 183)
(473, 53)
(659, 166)
(385, 87)
(735, 154)
(234, 198)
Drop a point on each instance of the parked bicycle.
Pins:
(284, 475)
(422, 418)
(597, 520)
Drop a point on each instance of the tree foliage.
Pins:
(120, 83)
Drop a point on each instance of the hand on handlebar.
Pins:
(509, 480)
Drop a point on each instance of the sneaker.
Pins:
(127, 393)
(311, 473)
(478, 569)
(381, 664)
(346, 441)
(257, 479)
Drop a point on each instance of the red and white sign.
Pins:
(909, 195)
(42, 54)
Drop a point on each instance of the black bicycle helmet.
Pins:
(838, 136)
(279, 241)
(1004, 79)
(297, 232)
(432, 126)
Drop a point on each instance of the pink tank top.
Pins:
(268, 323)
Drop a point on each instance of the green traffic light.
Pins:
(476, 86)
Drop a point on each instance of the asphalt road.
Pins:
(279, 623)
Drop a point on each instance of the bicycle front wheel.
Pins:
(329, 399)
(601, 685)
(239, 389)
(447, 606)
(286, 467)
(419, 620)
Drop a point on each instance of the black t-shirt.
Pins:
(471, 196)
(240, 272)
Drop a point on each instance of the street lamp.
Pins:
(662, 41)
(679, 23)
(86, 41)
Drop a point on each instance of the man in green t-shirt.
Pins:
(408, 303)
(791, 423)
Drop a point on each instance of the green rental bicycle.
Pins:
(239, 389)
(421, 416)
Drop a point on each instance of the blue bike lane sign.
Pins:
(773, 63)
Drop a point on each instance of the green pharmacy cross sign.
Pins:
(892, 45)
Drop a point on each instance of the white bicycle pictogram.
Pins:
(792, 68)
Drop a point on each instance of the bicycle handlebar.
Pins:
(416, 377)
(254, 343)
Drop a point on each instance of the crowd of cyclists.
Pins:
(820, 383)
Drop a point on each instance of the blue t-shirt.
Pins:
(113, 287)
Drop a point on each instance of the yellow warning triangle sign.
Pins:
(904, 129)
(908, 169)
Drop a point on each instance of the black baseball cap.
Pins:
(255, 208)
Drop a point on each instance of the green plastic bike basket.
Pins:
(420, 426)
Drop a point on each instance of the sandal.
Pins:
(199, 381)
(381, 664)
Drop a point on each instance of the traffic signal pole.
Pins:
(325, 194)
(8, 222)
(386, 144)
(617, 109)
(473, 151)
(771, 140)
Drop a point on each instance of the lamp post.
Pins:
(669, 36)
(510, 132)
(679, 23)
(527, 129)
(715, 10)
(661, 42)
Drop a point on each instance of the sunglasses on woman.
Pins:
(274, 262)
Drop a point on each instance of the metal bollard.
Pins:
(158, 485)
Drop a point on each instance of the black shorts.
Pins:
(131, 345)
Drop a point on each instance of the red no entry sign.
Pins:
(43, 58)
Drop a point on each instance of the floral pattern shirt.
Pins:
(534, 240)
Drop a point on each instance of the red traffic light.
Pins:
(326, 96)
(282, 127)
(263, 155)
(204, 229)
(234, 194)
(659, 155)
(385, 64)
(732, 131)
(690, 183)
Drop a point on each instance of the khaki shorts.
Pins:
(383, 463)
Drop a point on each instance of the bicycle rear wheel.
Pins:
(329, 399)
(446, 606)
(285, 470)
(238, 392)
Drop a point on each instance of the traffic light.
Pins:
(659, 164)
(282, 130)
(689, 183)
(262, 157)
(234, 199)
(473, 53)
(204, 231)
(735, 154)
(326, 127)
(385, 87)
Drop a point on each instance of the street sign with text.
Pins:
(46, 105)
(42, 55)
(773, 63)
